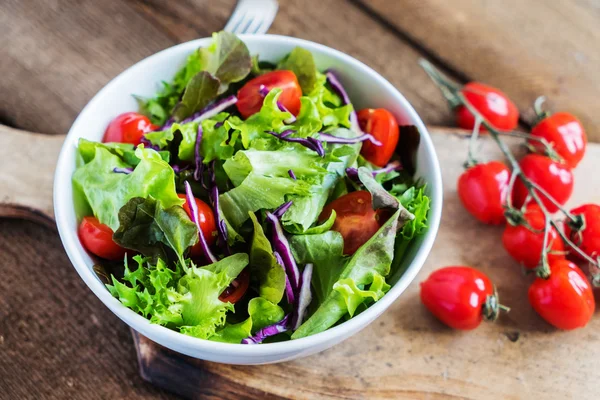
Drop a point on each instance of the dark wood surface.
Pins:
(58, 341)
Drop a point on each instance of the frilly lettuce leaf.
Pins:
(301, 62)
(87, 151)
(199, 92)
(187, 300)
(354, 296)
(106, 191)
(327, 103)
(371, 259)
(264, 266)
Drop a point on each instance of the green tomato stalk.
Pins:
(453, 94)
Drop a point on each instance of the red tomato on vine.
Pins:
(493, 104)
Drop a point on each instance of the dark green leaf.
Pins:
(301, 62)
(201, 90)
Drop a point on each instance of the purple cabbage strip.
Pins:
(393, 166)
(125, 171)
(310, 143)
(167, 124)
(325, 137)
(221, 226)
(271, 330)
(289, 292)
(304, 297)
(197, 157)
(191, 201)
(291, 174)
(352, 173)
(336, 85)
(179, 169)
(148, 144)
(264, 92)
(211, 110)
(282, 209)
(282, 246)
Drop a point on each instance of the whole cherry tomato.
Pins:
(588, 238)
(565, 133)
(250, 100)
(565, 300)
(355, 219)
(459, 296)
(236, 290)
(97, 239)
(555, 178)
(494, 105)
(206, 219)
(383, 126)
(525, 246)
(128, 128)
(483, 189)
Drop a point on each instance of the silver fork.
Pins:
(252, 16)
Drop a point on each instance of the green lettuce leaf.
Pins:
(328, 104)
(301, 62)
(87, 151)
(318, 229)
(371, 259)
(233, 333)
(264, 266)
(199, 92)
(354, 296)
(106, 191)
(308, 121)
(145, 226)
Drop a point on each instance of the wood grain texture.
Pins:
(58, 54)
(58, 341)
(526, 48)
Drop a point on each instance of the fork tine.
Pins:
(245, 24)
(252, 16)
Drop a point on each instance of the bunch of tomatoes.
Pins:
(525, 200)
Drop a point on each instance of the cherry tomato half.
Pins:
(355, 219)
(493, 104)
(525, 246)
(206, 219)
(555, 178)
(383, 126)
(457, 296)
(565, 300)
(483, 189)
(250, 100)
(97, 239)
(128, 128)
(588, 239)
(236, 290)
(565, 133)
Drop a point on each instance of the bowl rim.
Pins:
(177, 341)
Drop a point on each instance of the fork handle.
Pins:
(27, 174)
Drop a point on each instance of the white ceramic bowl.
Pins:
(366, 89)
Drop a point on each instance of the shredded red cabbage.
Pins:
(291, 174)
(289, 292)
(264, 92)
(282, 209)
(352, 173)
(126, 171)
(197, 157)
(325, 137)
(282, 246)
(211, 110)
(310, 143)
(148, 144)
(221, 226)
(393, 166)
(271, 330)
(304, 297)
(191, 201)
(336, 85)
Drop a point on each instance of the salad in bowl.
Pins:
(249, 202)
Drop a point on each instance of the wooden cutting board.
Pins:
(406, 353)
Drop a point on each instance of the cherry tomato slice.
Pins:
(565, 300)
(565, 133)
(383, 126)
(483, 189)
(236, 290)
(250, 100)
(525, 246)
(128, 128)
(555, 178)
(206, 219)
(456, 296)
(355, 219)
(97, 239)
(494, 105)
(588, 239)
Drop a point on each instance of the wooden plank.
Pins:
(57, 340)
(527, 48)
(56, 56)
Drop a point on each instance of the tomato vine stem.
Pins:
(454, 96)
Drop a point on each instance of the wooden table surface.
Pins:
(56, 339)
